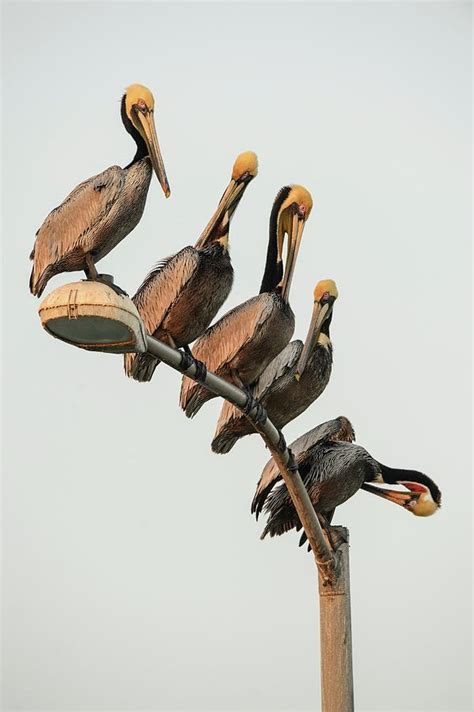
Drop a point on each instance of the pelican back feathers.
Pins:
(332, 471)
(93, 218)
(154, 298)
(243, 342)
(179, 298)
(332, 430)
(232, 424)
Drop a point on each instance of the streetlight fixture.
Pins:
(92, 316)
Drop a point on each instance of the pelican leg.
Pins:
(94, 276)
(118, 290)
(260, 413)
(187, 350)
(171, 341)
(335, 539)
(90, 270)
(238, 381)
(188, 360)
(253, 404)
(240, 384)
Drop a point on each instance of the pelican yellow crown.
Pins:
(325, 286)
(138, 95)
(301, 197)
(245, 162)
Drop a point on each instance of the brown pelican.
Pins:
(181, 296)
(102, 210)
(243, 342)
(333, 469)
(292, 381)
(338, 429)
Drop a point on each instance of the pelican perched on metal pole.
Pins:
(102, 210)
(333, 469)
(181, 296)
(292, 381)
(242, 343)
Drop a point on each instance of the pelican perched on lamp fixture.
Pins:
(333, 469)
(102, 210)
(292, 381)
(242, 343)
(181, 296)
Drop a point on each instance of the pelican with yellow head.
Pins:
(292, 381)
(102, 210)
(333, 469)
(423, 497)
(244, 341)
(180, 297)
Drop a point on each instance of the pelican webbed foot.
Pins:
(260, 415)
(334, 535)
(93, 276)
(188, 360)
(336, 538)
(109, 281)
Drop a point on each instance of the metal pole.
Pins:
(334, 590)
(273, 438)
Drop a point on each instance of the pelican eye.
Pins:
(301, 210)
(141, 106)
(325, 296)
(243, 177)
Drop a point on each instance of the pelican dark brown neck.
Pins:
(219, 234)
(393, 475)
(326, 325)
(273, 268)
(142, 148)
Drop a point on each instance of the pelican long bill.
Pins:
(232, 194)
(403, 499)
(294, 242)
(147, 124)
(320, 314)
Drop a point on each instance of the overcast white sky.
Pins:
(134, 578)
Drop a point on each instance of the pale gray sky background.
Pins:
(134, 578)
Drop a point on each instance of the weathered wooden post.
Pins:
(337, 689)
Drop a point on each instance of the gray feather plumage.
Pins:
(92, 220)
(338, 429)
(281, 395)
(243, 341)
(178, 300)
(332, 472)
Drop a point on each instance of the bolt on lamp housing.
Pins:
(92, 316)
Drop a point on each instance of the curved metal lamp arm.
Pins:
(325, 560)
